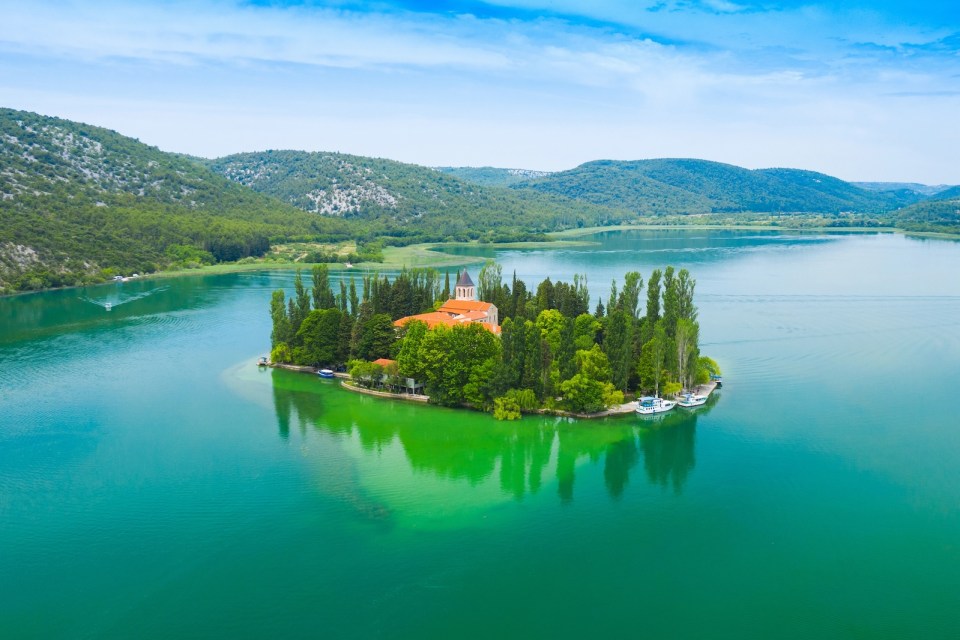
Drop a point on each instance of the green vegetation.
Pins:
(551, 353)
(937, 216)
(492, 176)
(79, 204)
(687, 186)
(404, 203)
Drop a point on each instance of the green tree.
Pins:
(408, 358)
(590, 389)
(685, 286)
(653, 359)
(322, 295)
(489, 281)
(506, 408)
(532, 376)
(320, 335)
(301, 307)
(653, 306)
(281, 323)
(618, 345)
(379, 337)
(671, 302)
(585, 331)
(354, 300)
(451, 355)
(686, 340)
(359, 343)
(344, 338)
(630, 296)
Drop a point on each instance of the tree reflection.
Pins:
(466, 446)
(621, 457)
(668, 450)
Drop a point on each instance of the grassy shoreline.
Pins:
(394, 259)
(426, 255)
(574, 233)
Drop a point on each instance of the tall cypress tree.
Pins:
(354, 300)
(322, 295)
(670, 302)
(532, 377)
(653, 307)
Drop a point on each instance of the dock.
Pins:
(704, 389)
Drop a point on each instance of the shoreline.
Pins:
(627, 408)
(428, 255)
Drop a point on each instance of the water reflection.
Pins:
(668, 453)
(469, 447)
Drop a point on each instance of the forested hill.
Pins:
(953, 193)
(407, 202)
(921, 189)
(686, 186)
(493, 176)
(78, 201)
(940, 214)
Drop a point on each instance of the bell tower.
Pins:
(465, 290)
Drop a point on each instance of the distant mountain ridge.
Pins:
(79, 203)
(691, 186)
(922, 189)
(407, 201)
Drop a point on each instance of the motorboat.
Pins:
(108, 306)
(691, 400)
(650, 405)
(325, 373)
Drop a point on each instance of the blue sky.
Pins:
(860, 90)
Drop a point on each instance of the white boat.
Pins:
(691, 400)
(325, 373)
(108, 306)
(649, 405)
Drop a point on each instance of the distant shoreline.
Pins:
(426, 255)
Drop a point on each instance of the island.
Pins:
(495, 346)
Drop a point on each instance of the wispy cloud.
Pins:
(518, 82)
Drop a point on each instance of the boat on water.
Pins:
(108, 306)
(718, 379)
(649, 405)
(691, 400)
(263, 361)
(325, 373)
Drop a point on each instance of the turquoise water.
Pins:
(155, 483)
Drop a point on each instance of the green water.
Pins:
(154, 483)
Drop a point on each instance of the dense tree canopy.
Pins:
(562, 357)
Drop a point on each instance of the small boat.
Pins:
(691, 400)
(348, 265)
(717, 379)
(108, 306)
(263, 361)
(649, 405)
(325, 373)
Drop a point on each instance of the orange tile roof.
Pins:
(459, 306)
(384, 362)
(473, 316)
(435, 318)
(431, 319)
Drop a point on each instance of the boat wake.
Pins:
(116, 301)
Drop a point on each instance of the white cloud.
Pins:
(540, 93)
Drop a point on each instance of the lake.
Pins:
(155, 483)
